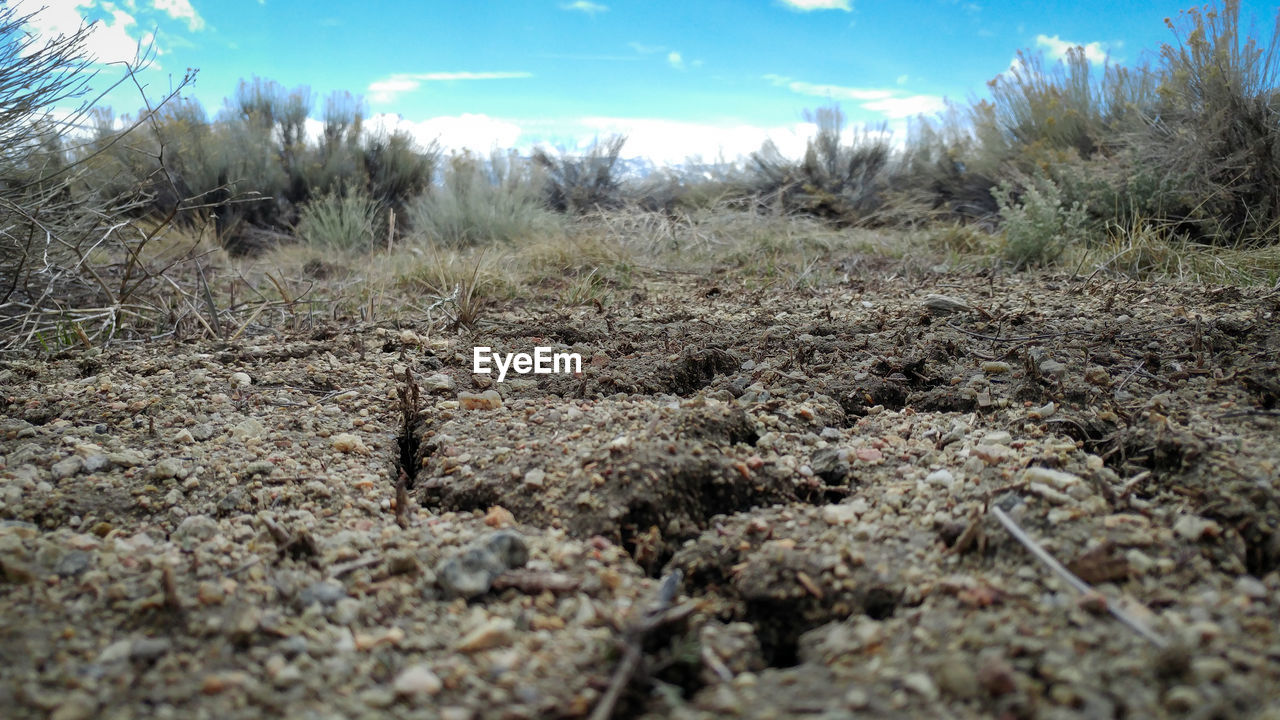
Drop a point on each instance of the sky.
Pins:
(681, 79)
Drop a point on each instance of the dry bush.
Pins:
(81, 262)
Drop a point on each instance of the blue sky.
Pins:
(680, 78)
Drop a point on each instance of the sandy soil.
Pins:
(749, 503)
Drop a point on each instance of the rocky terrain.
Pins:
(750, 502)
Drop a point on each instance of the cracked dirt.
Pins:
(763, 502)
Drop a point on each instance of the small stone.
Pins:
(499, 517)
(438, 383)
(487, 400)
(944, 304)
(920, 684)
(1053, 369)
(469, 574)
(73, 563)
(495, 632)
(95, 462)
(150, 648)
(417, 680)
(183, 437)
(838, 514)
(509, 547)
(247, 430)
(167, 468)
(1194, 527)
(1053, 478)
(941, 478)
(240, 380)
(535, 477)
(991, 454)
(325, 592)
(1181, 698)
(1251, 587)
(955, 676)
(196, 528)
(1044, 411)
(65, 468)
(997, 437)
(348, 443)
(127, 458)
(995, 367)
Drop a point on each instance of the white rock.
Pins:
(941, 478)
(240, 380)
(247, 429)
(67, 467)
(348, 443)
(1053, 478)
(417, 680)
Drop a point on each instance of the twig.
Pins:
(1076, 583)
(633, 636)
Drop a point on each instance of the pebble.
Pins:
(240, 380)
(438, 383)
(168, 468)
(495, 632)
(956, 677)
(1251, 587)
(349, 443)
(535, 477)
(247, 430)
(417, 680)
(469, 574)
(325, 592)
(1194, 527)
(67, 467)
(487, 400)
(995, 367)
(1054, 478)
(943, 304)
(941, 478)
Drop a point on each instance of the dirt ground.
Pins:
(751, 502)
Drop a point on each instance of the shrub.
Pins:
(835, 180)
(498, 200)
(1217, 130)
(583, 183)
(1037, 225)
(74, 266)
(340, 220)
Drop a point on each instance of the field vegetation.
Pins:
(174, 222)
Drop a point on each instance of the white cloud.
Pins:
(905, 107)
(673, 141)
(892, 103)
(475, 132)
(388, 88)
(811, 5)
(117, 34)
(589, 8)
(645, 49)
(675, 60)
(1056, 48)
(181, 10)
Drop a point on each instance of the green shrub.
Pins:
(479, 201)
(343, 221)
(1038, 227)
